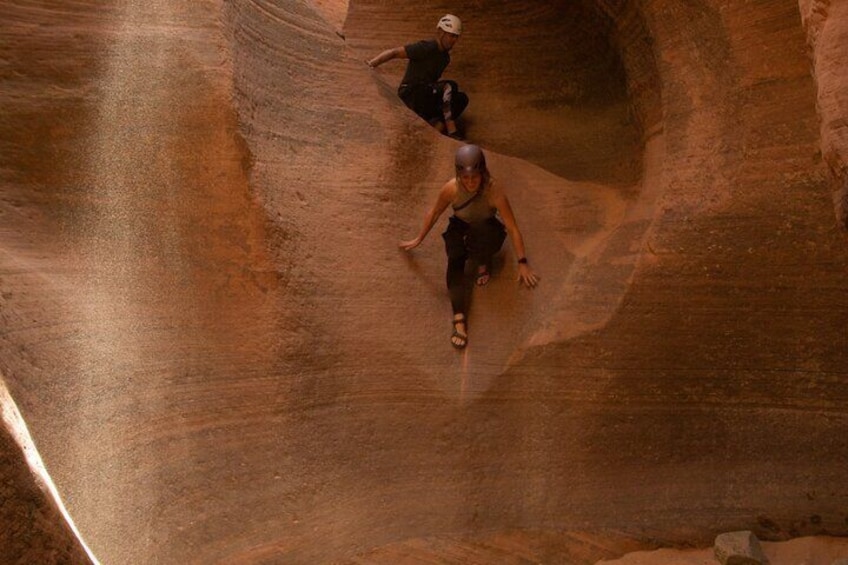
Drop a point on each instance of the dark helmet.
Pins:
(470, 158)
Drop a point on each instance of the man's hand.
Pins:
(410, 244)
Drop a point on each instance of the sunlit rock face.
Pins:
(34, 529)
(827, 36)
(222, 356)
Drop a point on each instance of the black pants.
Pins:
(463, 241)
(439, 101)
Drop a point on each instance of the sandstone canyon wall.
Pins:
(222, 357)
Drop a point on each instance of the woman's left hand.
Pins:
(527, 276)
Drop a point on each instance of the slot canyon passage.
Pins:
(222, 356)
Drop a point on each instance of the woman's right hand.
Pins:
(410, 244)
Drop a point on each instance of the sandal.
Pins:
(483, 275)
(459, 339)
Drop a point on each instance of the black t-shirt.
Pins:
(426, 62)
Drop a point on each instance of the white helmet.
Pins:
(450, 24)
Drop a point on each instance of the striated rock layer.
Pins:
(222, 356)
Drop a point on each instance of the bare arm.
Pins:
(388, 55)
(525, 273)
(446, 195)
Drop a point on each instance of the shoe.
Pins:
(459, 339)
(483, 275)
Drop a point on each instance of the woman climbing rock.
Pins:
(474, 232)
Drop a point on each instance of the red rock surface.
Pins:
(807, 550)
(35, 529)
(827, 35)
(223, 357)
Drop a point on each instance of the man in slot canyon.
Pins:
(437, 101)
